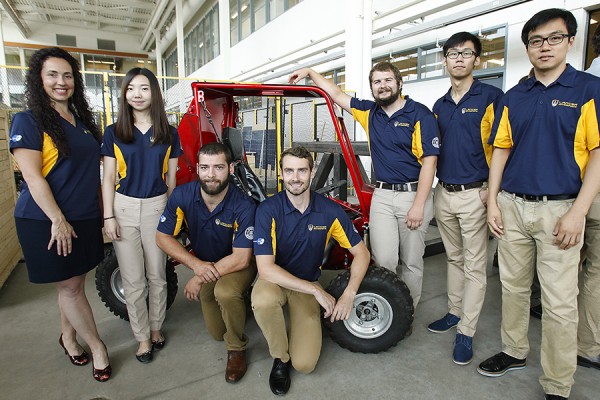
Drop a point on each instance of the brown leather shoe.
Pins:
(236, 366)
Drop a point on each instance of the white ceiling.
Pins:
(129, 16)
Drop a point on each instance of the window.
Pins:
(427, 61)
(202, 43)
(246, 16)
(104, 44)
(66, 40)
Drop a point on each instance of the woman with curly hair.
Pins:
(142, 149)
(57, 146)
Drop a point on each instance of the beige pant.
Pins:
(528, 230)
(141, 262)
(302, 341)
(224, 307)
(390, 234)
(462, 220)
(588, 333)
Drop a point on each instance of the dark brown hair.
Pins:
(299, 152)
(40, 104)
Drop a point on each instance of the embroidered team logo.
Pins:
(402, 124)
(557, 102)
(163, 218)
(435, 143)
(312, 227)
(16, 138)
(259, 241)
(87, 131)
(469, 110)
(223, 223)
(249, 233)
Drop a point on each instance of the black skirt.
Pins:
(45, 266)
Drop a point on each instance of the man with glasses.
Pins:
(465, 116)
(544, 174)
(404, 144)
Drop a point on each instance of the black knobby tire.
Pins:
(110, 289)
(381, 316)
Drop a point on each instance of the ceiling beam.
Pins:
(21, 25)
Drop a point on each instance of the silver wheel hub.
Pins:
(116, 285)
(371, 316)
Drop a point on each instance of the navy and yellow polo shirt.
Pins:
(213, 234)
(74, 180)
(550, 132)
(464, 133)
(398, 143)
(298, 240)
(141, 166)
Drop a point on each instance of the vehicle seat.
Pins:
(243, 176)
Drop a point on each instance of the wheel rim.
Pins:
(116, 285)
(371, 316)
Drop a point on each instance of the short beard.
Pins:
(389, 101)
(302, 189)
(220, 187)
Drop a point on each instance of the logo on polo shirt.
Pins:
(470, 110)
(403, 124)
(87, 131)
(16, 138)
(435, 142)
(249, 233)
(557, 102)
(223, 223)
(163, 218)
(259, 241)
(312, 227)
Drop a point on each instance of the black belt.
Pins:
(459, 188)
(398, 187)
(531, 197)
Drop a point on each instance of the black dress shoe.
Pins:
(586, 362)
(159, 344)
(500, 364)
(536, 311)
(146, 357)
(279, 380)
(555, 397)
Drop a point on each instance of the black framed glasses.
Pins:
(453, 54)
(552, 40)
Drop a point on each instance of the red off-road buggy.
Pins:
(383, 308)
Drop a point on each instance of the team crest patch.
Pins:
(16, 138)
(163, 218)
(435, 143)
(249, 233)
(259, 241)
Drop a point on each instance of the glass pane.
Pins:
(233, 21)
(245, 11)
(432, 62)
(492, 53)
(275, 8)
(205, 43)
(406, 62)
(215, 31)
(260, 14)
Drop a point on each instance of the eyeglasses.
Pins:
(453, 54)
(552, 40)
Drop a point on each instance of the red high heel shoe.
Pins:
(79, 360)
(102, 375)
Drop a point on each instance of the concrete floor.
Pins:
(192, 365)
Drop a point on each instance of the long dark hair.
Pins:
(40, 103)
(161, 130)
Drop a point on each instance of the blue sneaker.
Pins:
(463, 349)
(448, 322)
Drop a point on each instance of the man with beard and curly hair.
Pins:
(404, 144)
(220, 220)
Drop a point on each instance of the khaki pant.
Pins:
(141, 262)
(390, 234)
(224, 307)
(462, 220)
(302, 341)
(588, 333)
(528, 230)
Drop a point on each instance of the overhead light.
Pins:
(234, 16)
(494, 61)
(593, 21)
(244, 7)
